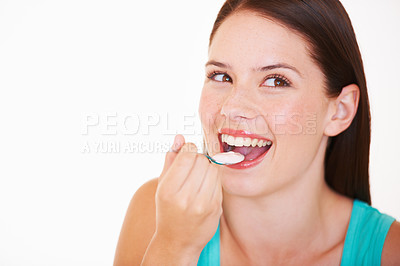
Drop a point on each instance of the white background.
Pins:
(63, 62)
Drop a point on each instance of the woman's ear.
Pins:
(342, 110)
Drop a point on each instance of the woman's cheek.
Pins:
(294, 118)
(209, 109)
(210, 101)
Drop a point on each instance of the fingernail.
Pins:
(173, 147)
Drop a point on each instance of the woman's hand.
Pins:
(188, 200)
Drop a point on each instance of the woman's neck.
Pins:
(306, 215)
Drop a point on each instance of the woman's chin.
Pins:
(240, 183)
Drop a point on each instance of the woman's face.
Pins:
(262, 88)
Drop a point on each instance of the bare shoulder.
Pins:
(391, 248)
(138, 227)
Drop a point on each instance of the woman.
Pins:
(285, 87)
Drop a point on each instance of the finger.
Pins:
(218, 193)
(188, 147)
(179, 140)
(217, 196)
(181, 166)
(208, 187)
(196, 176)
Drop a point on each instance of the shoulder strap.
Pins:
(365, 235)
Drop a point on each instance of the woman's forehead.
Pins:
(248, 39)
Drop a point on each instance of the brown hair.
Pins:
(327, 28)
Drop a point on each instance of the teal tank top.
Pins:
(363, 244)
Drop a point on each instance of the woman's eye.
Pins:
(276, 82)
(221, 77)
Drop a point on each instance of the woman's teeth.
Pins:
(247, 142)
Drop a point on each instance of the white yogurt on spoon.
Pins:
(229, 157)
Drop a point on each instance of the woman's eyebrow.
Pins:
(279, 65)
(259, 69)
(218, 64)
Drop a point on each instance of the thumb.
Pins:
(173, 152)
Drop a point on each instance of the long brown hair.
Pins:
(326, 26)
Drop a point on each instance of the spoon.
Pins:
(226, 158)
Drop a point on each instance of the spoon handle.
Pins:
(212, 160)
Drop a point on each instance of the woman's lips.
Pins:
(254, 147)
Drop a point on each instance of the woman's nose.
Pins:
(239, 104)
